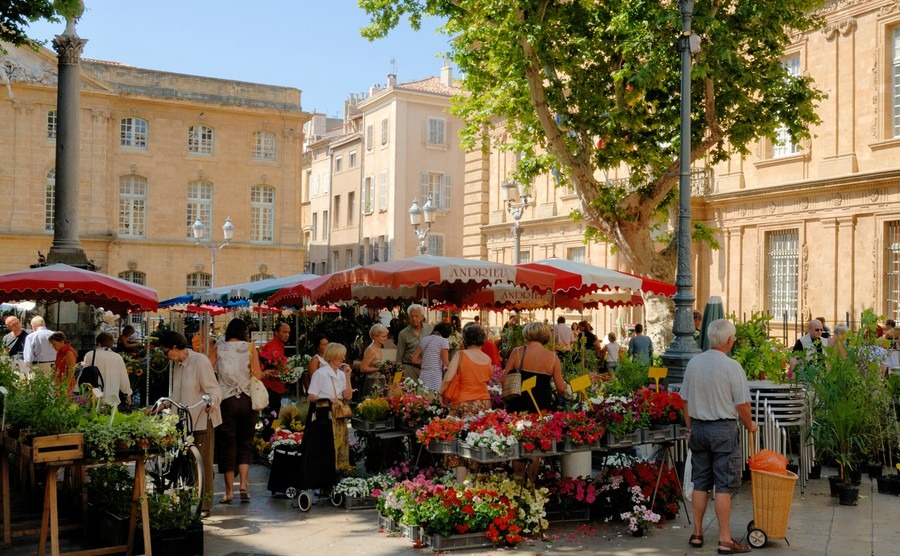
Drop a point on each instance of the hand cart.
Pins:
(772, 496)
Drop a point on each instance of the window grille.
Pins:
(783, 248)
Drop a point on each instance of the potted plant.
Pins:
(175, 528)
(762, 358)
(109, 490)
(373, 414)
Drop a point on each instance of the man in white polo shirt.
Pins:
(38, 351)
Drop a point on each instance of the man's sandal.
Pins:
(696, 541)
(733, 547)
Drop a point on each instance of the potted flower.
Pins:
(664, 411)
(296, 366)
(373, 414)
(761, 357)
(175, 528)
(570, 498)
(440, 436)
(621, 417)
(639, 519)
(537, 435)
(109, 490)
(489, 438)
(580, 431)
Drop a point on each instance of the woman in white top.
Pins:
(433, 354)
(332, 382)
(612, 353)
(235, 360)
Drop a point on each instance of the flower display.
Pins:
(389, 368)
(537, 432)
(282, 438)
(374, 409)
(495, 388)
(620, 415)
(663, 408)
(440, 430)
(580, 427)
(639, 518)
(277, 363)
(413, 409)
(358, 487)
(297, 365)
(625, 472)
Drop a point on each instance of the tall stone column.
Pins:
(66, 246)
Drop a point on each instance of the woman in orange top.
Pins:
(66, 358)
(472, 368)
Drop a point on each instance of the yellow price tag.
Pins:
(657, 373)
(398, 376)
(581, 384)
(527, 386)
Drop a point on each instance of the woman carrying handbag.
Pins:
(466, 381)
(332, 382)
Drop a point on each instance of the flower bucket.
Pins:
(569, 446)
(360, 502)
(385, 522)
(623, 441)
(172, 541)
(443, 447)
(362, 425)
(482, 454)
(440, 543)
(414, 533)
(538, 452)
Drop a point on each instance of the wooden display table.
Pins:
(61, 451)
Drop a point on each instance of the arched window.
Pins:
(132, 205)
(264, 146)
(133, 133)
(50, 200)
(262, 213)
(200, 139)
(197, 281)
(260, 276)
(134, 276)
(199, 204)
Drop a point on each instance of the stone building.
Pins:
(158, 151)
(813, 229)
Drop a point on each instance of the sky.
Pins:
(311, 45)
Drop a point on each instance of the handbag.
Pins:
(452, 392)
(512, 382)
(259, 396)
(340, 409)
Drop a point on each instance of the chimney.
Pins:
(447, 74)
(392, 80)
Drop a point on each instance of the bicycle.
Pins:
(178, 469)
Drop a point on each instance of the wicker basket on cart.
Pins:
(772, 496)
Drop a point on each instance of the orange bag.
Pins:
(767, 460)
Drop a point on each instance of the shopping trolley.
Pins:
(772, 496)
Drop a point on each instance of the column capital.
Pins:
(69, 48)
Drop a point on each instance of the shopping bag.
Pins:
(259, 396)
(688, 480)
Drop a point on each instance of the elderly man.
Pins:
(15, 339)
(408, 340)
(715, 396)
(38, 351)
(193, 378)
(809, 346)
(112, 370)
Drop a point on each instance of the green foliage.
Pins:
(584, 90)
(851, 413)
(173, 512)
(577, 361)
(511, 338)
(630, 376)
(756, 351)
(110, 487)
(39, 407)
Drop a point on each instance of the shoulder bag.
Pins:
(340, 410)
(512, 382)
(259, 396)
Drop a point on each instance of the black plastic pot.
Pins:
(815, 472)
(875, 470)
(885, 485)
(187, 542)
(848, 495)
(833, 483)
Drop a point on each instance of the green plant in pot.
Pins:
(373, 409)
(37, 406)
(762, 358)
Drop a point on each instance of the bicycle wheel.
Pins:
(158, 470)
(187, 477)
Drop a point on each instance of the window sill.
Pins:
(268, 160)
(885, 144)
(769, 162)
(437, 146)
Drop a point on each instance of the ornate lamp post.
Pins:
(683, 346)
(418, 216)
(516, 203)
(199, 230)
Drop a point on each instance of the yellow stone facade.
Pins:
(252, 170)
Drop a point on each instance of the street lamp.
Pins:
(418, 216)
(199, 230)
(683, 346)
(516, 203)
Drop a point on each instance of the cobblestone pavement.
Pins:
(818, 526)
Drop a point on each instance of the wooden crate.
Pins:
(60, 447)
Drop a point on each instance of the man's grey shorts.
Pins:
(716, 455)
